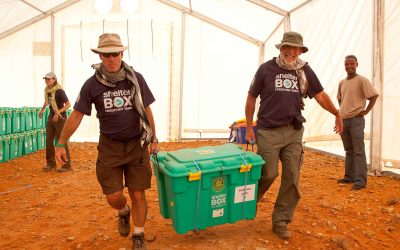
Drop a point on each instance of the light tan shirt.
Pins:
(353, 95)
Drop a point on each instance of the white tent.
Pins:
(199, 57)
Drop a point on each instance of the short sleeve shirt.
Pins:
(353, 95)
(117, 115)
(279, 91)
(61, 99)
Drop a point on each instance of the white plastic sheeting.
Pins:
(199, 57)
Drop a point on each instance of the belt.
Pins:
(120, 141)
(289, 124)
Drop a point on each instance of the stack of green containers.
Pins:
(22, 131)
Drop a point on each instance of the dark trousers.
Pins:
(353, 143)
(53, 131)
(281, 144)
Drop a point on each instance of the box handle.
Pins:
(245, 168)
(194, 176)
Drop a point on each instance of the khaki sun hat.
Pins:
(293, 39)
(109, 43)
(50, 75)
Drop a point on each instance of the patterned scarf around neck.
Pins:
(52, 92)
(111, 79)
(301, 76)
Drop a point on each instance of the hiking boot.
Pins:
(48, 168)
(64, 169)
(138, 242)
(344, 181)
(282, 232)
(357, 187)
(124, 225)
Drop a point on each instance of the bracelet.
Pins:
(60, 145)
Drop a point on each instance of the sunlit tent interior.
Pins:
(199, 58)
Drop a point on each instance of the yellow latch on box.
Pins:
(245, 168)
(194, 176)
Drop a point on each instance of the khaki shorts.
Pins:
(122, 164)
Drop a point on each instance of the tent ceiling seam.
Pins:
(212, 22)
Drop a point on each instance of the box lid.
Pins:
(209, 158)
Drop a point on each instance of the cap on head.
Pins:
(109, 43)
(293, 39)
(50, 75)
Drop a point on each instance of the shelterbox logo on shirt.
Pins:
(286, 82)
(117, 100)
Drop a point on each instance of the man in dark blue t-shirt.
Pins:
(122, 100)
(281, 84)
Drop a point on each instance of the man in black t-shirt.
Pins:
(281, 84)
(122, 100)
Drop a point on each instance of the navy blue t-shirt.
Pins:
(279, 91)
(114, 105)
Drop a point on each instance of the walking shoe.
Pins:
(344, 181)
(282, 232)
(64, 169)
(124, 225)
(357, 187)
(48, 168)
(138, 242)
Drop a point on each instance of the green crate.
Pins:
(41, 138)
(207, 186)
(28, 118)
(35, 117)
(16, 120)
(5, 121)
(33, 134)
(4, 148)
(16, 142)
(27, 146)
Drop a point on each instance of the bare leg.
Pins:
(117, 200)
(139, 207)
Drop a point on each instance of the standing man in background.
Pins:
(122, 100)
(55, 97)
(353, 93)
(281, 84)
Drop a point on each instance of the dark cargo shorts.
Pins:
(122, 162)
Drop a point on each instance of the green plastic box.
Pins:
(16, 120)
(5, 121)
(41, 138)
(15, 145)
(27, 146)
(207, 186)
(4, 148)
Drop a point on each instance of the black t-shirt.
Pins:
(114, 105)
(279, 91)
(61, 98)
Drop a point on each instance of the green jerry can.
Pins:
(207, 186)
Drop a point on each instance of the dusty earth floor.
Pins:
(53, 210)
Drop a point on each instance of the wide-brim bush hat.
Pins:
(293, 39)
(109, 43)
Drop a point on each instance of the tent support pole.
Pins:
(377, 81)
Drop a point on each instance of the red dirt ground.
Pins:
(53, 210)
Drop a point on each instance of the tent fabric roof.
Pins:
(14, 13)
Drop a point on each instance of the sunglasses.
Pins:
(107, 55)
